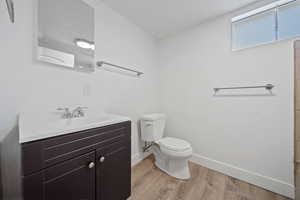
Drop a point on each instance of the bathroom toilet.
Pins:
(171, 154)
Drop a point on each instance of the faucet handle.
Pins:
(66, 112)
(62, 109)
(81, 107)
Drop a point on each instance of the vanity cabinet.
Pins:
(114, 173)
(89, 165)
(71, 179)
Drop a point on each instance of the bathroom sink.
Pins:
(35, 126)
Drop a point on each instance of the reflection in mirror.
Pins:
(66, 34)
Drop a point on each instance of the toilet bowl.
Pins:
(171, 154)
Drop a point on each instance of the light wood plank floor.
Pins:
(297, 176)
(149, 183)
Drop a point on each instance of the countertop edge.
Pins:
(25, 139)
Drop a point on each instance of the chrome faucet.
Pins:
(76, 113)
(66, 114)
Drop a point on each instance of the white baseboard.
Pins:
(274, 185)
(137, 158)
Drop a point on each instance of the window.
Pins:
(273, 22)
(257, 29)
(289, 21)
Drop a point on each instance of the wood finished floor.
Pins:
(149, 183)
(297, 176)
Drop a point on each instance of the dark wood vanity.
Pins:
(93, 164)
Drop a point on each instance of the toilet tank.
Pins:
(152, 127)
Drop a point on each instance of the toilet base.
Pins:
(176, 167)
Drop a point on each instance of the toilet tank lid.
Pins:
(153, 117)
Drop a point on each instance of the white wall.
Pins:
(243, 135)
(25, 82)
(250, 137)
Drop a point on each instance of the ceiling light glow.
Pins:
(85, 44)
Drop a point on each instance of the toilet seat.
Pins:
(174, 144)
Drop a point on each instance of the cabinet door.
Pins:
(70, 180)
(114, 172)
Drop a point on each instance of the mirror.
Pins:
(66, 34)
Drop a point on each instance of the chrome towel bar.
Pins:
(101, 63)
(267, 87)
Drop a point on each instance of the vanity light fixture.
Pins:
(85, 44)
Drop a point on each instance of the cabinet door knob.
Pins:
(102, 159)
(91, 165)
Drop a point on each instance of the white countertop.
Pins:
(38, 125)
